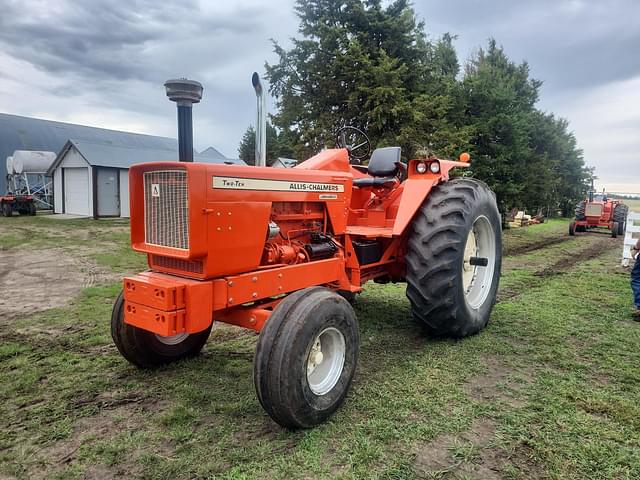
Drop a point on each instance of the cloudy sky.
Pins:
(104, 63)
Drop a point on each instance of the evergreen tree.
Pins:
(369, 66)
(527, 157)
(277, 145)
(360, 63)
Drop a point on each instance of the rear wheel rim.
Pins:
(173, 339)
(477, 280)
(325, 361)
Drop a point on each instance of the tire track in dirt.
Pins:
(559, 267)
(34, 280)
(545, 242)
(491, 458)
(564, 264)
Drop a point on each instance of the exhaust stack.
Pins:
(261, 123)
(185, 93)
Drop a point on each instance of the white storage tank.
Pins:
(27, 161)
(9, 165)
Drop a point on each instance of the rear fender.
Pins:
(416, 188)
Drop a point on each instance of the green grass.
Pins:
(634, 205)
(518, 238)
(106, 242)
(555, 376)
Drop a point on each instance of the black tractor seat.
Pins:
(375, 182)
(383, 168)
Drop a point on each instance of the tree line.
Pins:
(357, 62)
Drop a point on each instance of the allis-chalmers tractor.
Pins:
(280, 251)
(598, 211)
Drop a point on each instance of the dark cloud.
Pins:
(117, 39)
(104, 62)
(568, 43)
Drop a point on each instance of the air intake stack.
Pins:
(185, 93)
(261, 124)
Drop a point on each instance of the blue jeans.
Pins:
(635, 282)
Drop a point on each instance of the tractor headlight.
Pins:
(434, 167)
(421, 167)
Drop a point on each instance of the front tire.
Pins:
(572, 229)
(146, 349)
(7, 209)
(347, 295)
(458, 224)
(306, 357)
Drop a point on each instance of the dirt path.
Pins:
(474, 453)
(36, 280)
(45, 264)
(557, 262)
(563, 264)
(545, 242)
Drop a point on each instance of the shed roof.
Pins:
(102, 154)
(212, 153)
(26, 133)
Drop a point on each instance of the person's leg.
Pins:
(635, 284)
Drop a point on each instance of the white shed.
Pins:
(92, 178)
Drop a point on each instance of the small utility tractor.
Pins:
(23, 204)
(282, 251)
(598, 211)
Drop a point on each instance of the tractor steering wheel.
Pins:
(355, 141)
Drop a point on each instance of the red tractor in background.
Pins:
(23, 204)
(598, 211)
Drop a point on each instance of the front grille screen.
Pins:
(192, 266)
(593, 210)
(166, 209)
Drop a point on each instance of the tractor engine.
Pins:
(297, 234)
(209, 221)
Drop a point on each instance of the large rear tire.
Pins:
(581, 210)
(614, 229)
(306, 357)
(146, 349)
(620, 216)
(456, 227)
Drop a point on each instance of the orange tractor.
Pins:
(598, 211)
(283, 251)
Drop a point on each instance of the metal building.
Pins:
(25, 133)
(88, 157)
(92, 178)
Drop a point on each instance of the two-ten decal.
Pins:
(238, 183)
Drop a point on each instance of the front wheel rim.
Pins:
(478, 280)
(173, 339)
(325, 361)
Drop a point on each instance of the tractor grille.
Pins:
(166, 209)
(191, 266)
(593, 210)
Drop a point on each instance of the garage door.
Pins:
(76, 191)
